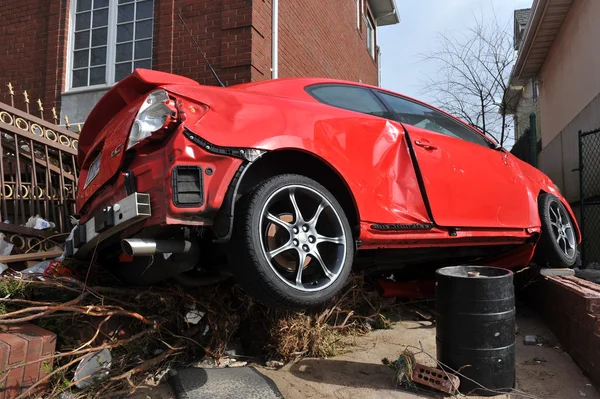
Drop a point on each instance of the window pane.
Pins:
(419, 115)
(146, 64)
(125, 1)
(145, 9)
(143, 29)
(124, 33)
(122, 70)
(143, 49)
(98, 56)
(124, 52)
(82, 39)
(82, 21)
(80, 78)
(348, 97)
(125, 13)
(83, 5)
(100, 17)
(100, 3)
(99, 37)
(80, 58)
(97, 76)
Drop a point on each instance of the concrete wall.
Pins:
(561, 155)
(570, 76)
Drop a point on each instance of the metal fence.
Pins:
(38, 170)
(589, 186)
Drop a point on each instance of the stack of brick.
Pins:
(24, 346)
(571, 308)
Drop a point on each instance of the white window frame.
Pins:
(111, 51)
(369, 26)
(359, 12)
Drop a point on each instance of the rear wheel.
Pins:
(292, 243)
(557, 247)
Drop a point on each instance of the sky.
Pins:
(421, 22)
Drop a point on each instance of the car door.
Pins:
(468, 182)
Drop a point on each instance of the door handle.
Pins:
(427, 146)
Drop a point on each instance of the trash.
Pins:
(3, 268)
(37, 223)
(6, 247)
(582, 394)
(93, 367)
(235, 363)
(206, 363)
(276, 364)
(50, 268)
(530, 340)
(435, 378)
(539, 360)
(193, 316)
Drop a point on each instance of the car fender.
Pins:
(370, 153)
(540, 183)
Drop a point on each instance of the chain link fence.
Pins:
(589, 185)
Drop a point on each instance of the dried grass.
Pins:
(147, 333)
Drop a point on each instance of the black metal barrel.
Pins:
(475, 322)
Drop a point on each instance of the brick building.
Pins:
(69, 52)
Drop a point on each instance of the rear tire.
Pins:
(292, 245)
(557, 247)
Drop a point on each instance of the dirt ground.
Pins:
(360, 374)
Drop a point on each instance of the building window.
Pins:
(109, 38)
(358, 12)
(370, 36)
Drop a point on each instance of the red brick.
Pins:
(17, 349)
(20, 345)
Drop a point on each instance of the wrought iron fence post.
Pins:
(533, 139)
(581, 202)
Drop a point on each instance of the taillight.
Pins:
(157, 114)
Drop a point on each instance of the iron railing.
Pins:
(38, 169)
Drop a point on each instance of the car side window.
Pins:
(415, 114)
(353, 98)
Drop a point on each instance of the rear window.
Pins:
(352, 98)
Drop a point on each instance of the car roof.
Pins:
(296, 88)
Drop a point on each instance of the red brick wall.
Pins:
(33, 50)
(316, 38)
(571, 307)
(222, 29)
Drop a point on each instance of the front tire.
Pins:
(292, 245)
(557, 247)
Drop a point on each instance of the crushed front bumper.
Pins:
(106, 222)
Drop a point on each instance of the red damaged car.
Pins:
(286, 185)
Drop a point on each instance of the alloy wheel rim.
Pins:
(302, 238)
(562, 230)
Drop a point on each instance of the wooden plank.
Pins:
(25, 231)
(30, 256)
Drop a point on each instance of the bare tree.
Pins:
(472, 79)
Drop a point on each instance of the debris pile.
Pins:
(140, 333)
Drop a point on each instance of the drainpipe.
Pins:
(275, 40)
